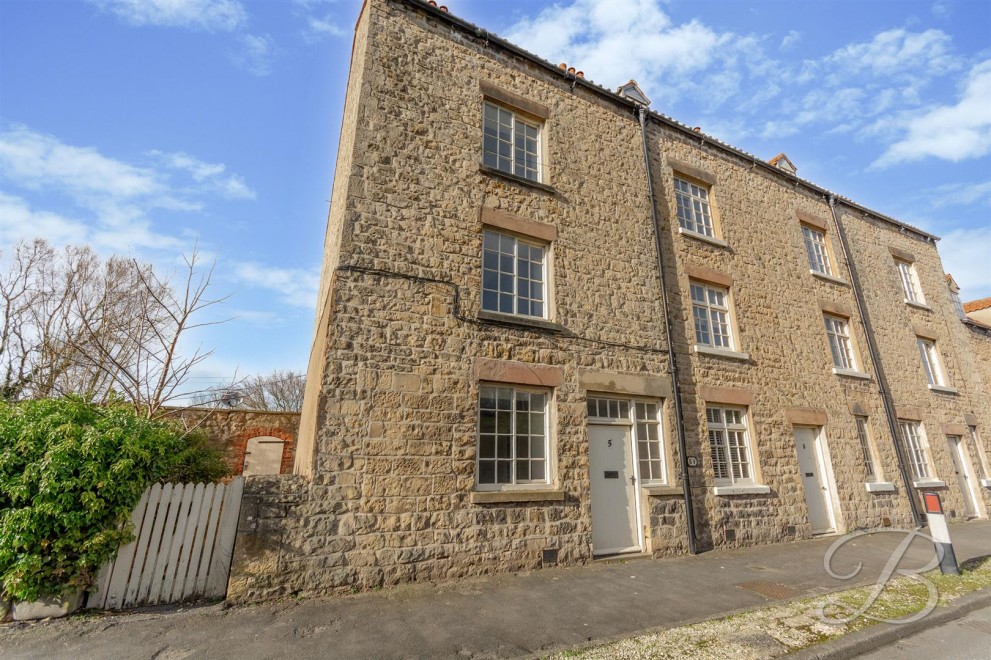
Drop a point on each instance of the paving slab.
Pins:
(501, 616)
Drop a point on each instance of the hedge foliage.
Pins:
(71, 472)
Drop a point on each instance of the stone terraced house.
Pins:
(555, 325)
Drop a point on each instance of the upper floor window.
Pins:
(930, 362)
(710, 309)
(838, 331)
(918, 449)
(815, 246)
(513, 275)
(730, 445)
(510, 143)
(512, 436)
(694, 214)
(910, 282)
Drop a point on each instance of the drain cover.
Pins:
(770, 590)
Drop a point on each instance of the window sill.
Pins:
(879, 487)
(918, 305)
(662, 491)
(702, 237)
(851, 373)
(504, 496)
(508, 176)
(756, 489)
(986, 483)
(829, 278)
(721, 352)
(518, 320)
(943, 389)
(929, 483)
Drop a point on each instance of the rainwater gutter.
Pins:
(672, 361)
(889, 406)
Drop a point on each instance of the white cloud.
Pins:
(958, 194)
(965, 255)
(221, 15)
(790, 39)
(255, 54)
(114, 199)
(613, 41)
(949, 132)
(36, 160)
(18, 221)
(209, 175)
(296, 286)
(898, 53)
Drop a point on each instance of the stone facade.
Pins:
(388, 489)
(232, 429)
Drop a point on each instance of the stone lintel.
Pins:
(924, 331)
(514, 223)
(515, 101)
(859, 409)
(912, 413)
(692, 171)
(833, 307)
(519, 373)
(954, 429)
(970, 418)
(805, 417)
(505, 496)
(811, 220)
(625, 383)
(663, 491)
(904, 255)
(731, 395)
(708, 275)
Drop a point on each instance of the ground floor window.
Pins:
(863, 433)
(512, 436)
(918, 449)
(730, 445)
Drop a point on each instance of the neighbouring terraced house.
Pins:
(554, 324)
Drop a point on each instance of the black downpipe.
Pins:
(889, 406)
(673, 364)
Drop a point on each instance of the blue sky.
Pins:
(143, 126)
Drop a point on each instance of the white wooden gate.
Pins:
(184, 539)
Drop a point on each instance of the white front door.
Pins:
(615, 526)
(263, 455)
(964, 478)
(814, 479)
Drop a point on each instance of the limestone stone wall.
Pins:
(389, 429)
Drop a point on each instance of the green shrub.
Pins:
(71, 472)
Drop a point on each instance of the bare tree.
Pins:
(74, 323)
(281, 390)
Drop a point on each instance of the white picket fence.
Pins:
(184, 539)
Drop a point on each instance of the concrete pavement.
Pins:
(502, 616)
(967, 638)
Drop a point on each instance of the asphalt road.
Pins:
(967, 638)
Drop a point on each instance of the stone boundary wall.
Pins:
(269, 509)
(231, 430)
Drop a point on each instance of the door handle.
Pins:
(633, 481)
